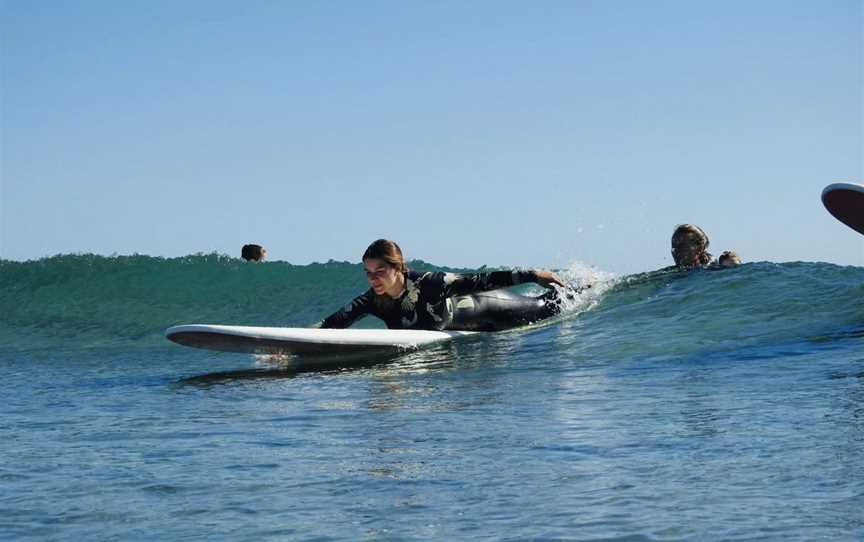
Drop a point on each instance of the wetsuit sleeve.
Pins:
(468, 283)
(350, 313)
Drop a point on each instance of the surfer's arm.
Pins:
(350, 313)
(547, 279)
(468, 283)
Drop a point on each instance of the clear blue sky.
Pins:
(483, 132)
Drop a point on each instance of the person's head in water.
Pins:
(385, 267)
(729, 259)
(253, 253)
(690, 246)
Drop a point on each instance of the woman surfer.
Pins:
(690, 247)
(406, 299)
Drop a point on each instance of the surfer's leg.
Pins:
(500, 309)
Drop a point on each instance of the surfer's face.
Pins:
(688, 251)
(382, 276)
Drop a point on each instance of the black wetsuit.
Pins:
(452, 301)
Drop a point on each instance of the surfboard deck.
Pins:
(304, 341)
(845, 201)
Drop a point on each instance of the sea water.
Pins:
(710, 405)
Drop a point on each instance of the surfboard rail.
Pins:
(304, 341)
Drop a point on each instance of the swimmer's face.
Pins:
(730, 261)
(263, 254)
(687, 251)
(380, 274)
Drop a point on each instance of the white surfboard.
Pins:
(304, 341)
(846, 202)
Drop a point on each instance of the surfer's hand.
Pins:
(548, 278)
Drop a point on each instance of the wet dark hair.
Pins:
(730, 256)
(684, 233)
(251, 252)
(389, 252)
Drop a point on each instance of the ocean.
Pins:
(709, 405)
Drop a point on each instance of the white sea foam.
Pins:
(592, 283)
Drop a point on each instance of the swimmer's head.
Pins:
(690, 246)
(253, 253)
(729, 259)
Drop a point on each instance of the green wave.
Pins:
(90, 300)
(80, 301)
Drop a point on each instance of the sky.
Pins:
(500, 133)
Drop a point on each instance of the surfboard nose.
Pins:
(845, 202)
